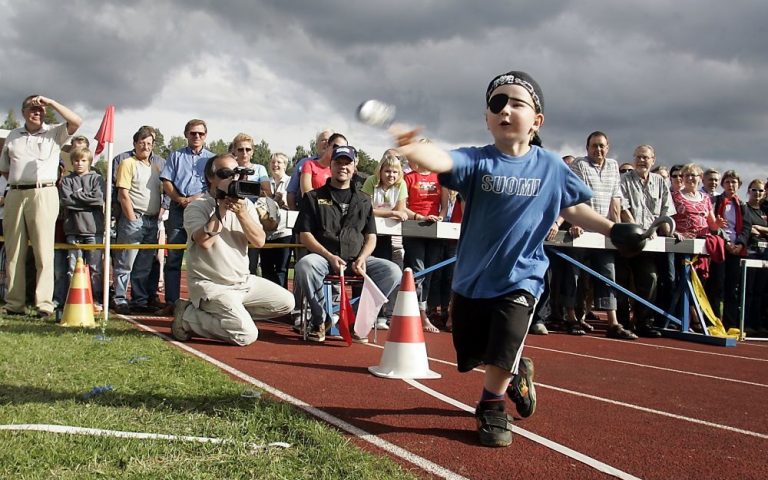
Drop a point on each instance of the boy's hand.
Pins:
(403, 135)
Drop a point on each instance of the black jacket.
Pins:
(341, 235)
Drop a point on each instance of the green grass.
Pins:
(45, 370)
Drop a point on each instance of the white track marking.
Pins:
(622, 404)
(664, 369)
(642, 344)
(657, 412)
(120, 434)
(562, 449)
(390, 448)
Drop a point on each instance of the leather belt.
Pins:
(35, 185)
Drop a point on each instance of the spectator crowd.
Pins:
(51, 193)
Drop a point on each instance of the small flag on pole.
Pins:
(371, 300)
(346, 314)
(106, 132)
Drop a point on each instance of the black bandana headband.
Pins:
(522, 79)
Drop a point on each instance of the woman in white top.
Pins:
(274, 261)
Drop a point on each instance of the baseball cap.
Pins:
(344, 151)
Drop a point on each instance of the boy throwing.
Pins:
(514, 192)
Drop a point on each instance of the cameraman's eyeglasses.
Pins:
(225, 173)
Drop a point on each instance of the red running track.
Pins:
(658, 408)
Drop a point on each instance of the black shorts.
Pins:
(491, 331)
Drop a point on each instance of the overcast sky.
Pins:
(689, 77)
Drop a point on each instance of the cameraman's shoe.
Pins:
(177, 326)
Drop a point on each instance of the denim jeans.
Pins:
(134, 265)
(175, 233)
(312, 269)
(92, 258)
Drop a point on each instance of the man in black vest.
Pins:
(337, 226)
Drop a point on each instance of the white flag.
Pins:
(371, 301)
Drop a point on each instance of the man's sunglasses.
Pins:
(244, 149)
(497, 102)
(756, 190)
(625, 170)
(197, 134)
(225, 173)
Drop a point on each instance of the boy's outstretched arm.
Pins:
(426, 155)
(584, 216)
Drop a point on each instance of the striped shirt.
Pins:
(604, 182)
(647, 200)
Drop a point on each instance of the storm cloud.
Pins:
(688, 77)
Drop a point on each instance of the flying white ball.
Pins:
(376, 113)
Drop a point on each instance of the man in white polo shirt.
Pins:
(30, 162)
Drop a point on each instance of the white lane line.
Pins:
(622, 404)
(98, 432)
(562, 449)
(652, 367)
(391, 448)
(657, 412)
(642, 344)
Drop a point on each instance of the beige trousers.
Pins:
(228, 312)
(30, 216)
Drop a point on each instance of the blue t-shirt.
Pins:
(510, 205)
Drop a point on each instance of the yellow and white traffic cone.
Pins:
(78, 309)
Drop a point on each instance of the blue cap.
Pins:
(344, 151)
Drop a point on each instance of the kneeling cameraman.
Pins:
(225, 297)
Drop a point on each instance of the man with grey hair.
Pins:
(30, 162)
(649, 198)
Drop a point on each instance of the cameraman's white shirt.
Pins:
(214, 270)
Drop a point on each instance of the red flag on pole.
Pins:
(106, 133)
(346, 314)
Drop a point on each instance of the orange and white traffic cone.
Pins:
(78, 309)
(405, 353)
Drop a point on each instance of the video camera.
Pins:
(240, 187)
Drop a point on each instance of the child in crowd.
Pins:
(82, 197)
(424, 199)
(388, 196)
(440, 285)
(513, 192)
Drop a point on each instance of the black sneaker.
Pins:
(521, 389)
(647, 331)
(494, 426)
